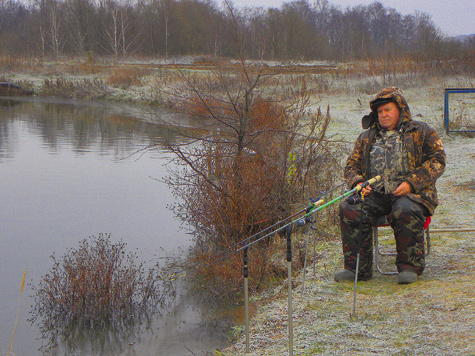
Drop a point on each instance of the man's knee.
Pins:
(405, 208)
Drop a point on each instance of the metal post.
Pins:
(360, 237)
(246, 295)
(356, 283)
(289, 278)
(446, 111)
(314, 256)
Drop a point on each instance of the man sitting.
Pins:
(410, 157)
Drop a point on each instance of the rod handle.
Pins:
(368, 182)
(315, 205)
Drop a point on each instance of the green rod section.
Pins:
(354, 190)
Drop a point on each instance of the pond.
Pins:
(71, 170)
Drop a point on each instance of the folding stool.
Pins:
(382, 222)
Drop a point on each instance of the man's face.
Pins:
(388, 115)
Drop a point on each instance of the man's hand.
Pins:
(366, 190)
(403, 189)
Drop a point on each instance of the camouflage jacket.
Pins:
(425, 155)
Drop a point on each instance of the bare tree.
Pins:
(80, 17)
(129, 31)
(111, 27)
(165, 6)
(53, 31)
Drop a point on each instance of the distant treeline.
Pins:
(163, 28)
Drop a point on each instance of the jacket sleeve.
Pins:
(432, 162)
(354, 171)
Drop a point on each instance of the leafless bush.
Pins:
(260, 157)
(95, 291)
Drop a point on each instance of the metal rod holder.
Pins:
(288, 232)
(246, 294)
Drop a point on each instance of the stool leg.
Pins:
(376, 248)
(378, 253)
(426, 236)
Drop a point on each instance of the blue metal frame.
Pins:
(446, 106)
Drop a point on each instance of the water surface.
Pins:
(71, 170)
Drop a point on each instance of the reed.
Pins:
(18, 314)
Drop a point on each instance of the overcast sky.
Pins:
(453, 17)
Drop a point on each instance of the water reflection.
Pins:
(83, 128)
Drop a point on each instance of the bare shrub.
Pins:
(97, 289)
(262, 154)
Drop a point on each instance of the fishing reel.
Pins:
(305, 220)
(353, 199)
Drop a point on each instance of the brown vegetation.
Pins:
(146, 82)
(95, 290)
(260, 152)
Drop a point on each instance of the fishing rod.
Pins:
(232, 248)
(356, 189)
(288, 233)
(314, 203)
(313, 210)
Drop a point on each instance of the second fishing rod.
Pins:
(245, 243)
(317, 206)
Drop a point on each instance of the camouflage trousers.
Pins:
(405, 216)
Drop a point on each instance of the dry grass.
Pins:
(461, 112)
(74, 88)
(142, 80)
(18, 314)
(10, 63)
(126, 77)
